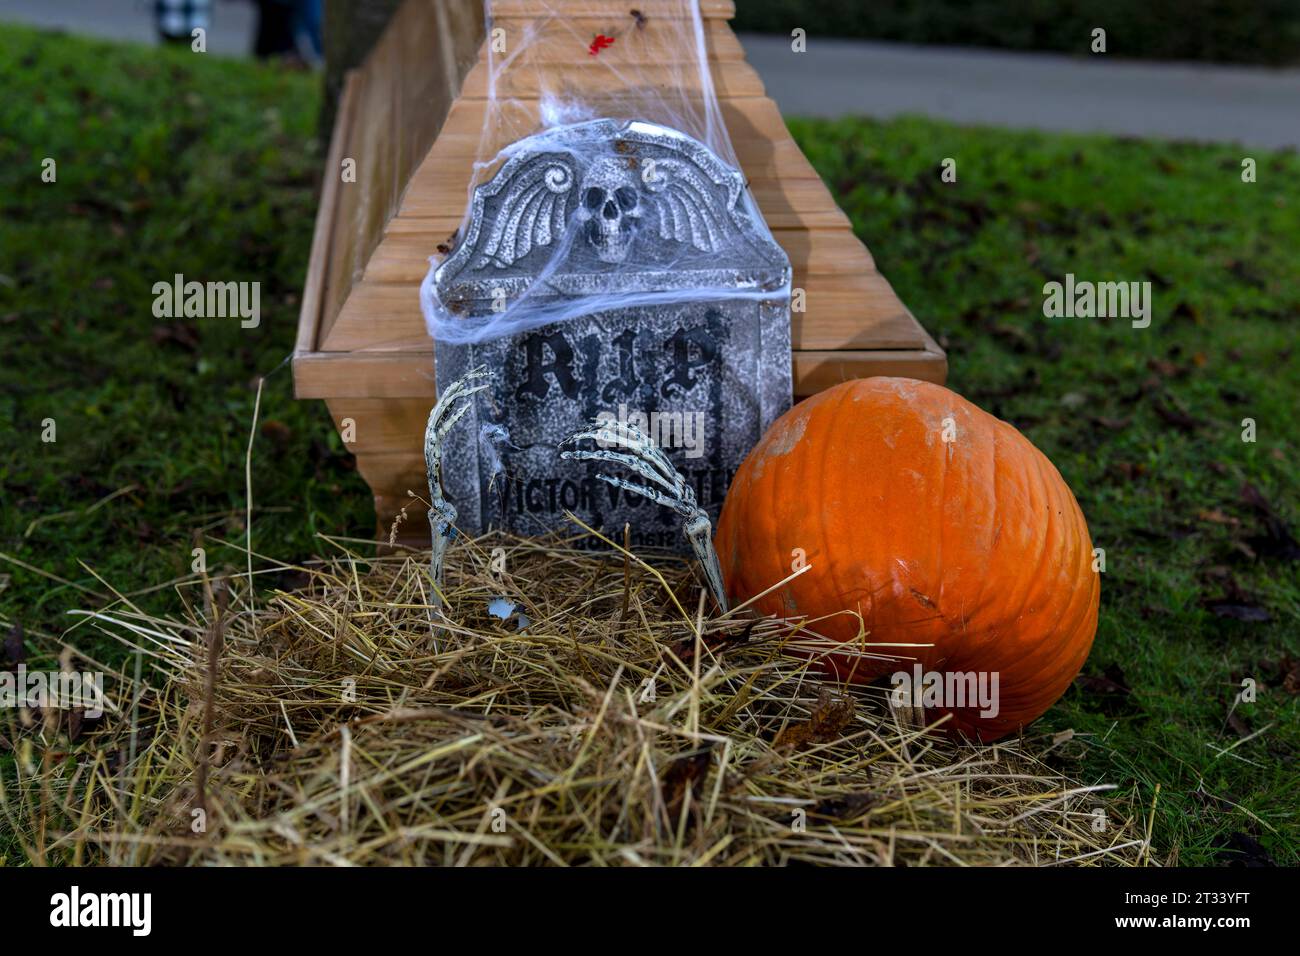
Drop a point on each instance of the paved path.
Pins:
(231, 33)
(1257, 107)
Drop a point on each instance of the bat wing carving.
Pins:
(532, 213)
(684, 200)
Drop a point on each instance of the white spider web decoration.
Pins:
(571, 63)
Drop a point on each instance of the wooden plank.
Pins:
(396, 424)
(443, 190)
(747, 117)
(817, 371)
(412, 532)
(824, 251)
(530, 42)
(785, 203)
(402, 94)
(340, 375)
(342, 240)
(349, 30)
(403, 256)
(453, 157)
(363, 375)
(392, 475)
(318, 260)
(382, 425)
(441, 185)
(390, 433)
(841, 312)
(601, 82)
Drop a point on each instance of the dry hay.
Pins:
(343, 722)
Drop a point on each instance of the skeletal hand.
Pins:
(664, 485)
(451, 407)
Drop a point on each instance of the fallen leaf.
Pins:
(1176, 416)
(1245, 550)
(684, 649)
(1237, 611)
(830, 716)
(845, 808)
(1277, 541)
(682, 775)
(13, 646)
(1166, 531)
(1127, 471)
(184, 334)
(1215, 516)
(1284, 672)
(1291, 682)
(1113, 424)
(1109, 691)
(277, 432)
(1165, 368)
(1111, 681)
(290, 579)
(1159, 280)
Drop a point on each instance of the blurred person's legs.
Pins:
(178, 19)
(306, 29)
(275, 22)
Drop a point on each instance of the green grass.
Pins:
(970, 259)
(173, 162)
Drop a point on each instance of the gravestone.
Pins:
(673, 308)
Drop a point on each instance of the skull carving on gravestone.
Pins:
(609, 207)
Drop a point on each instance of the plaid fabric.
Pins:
(180, 18)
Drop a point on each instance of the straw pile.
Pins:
(566, 707)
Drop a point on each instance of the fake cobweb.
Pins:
(554, 71)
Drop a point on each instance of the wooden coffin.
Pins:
(410, 121)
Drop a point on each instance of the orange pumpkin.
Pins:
(939, 524)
